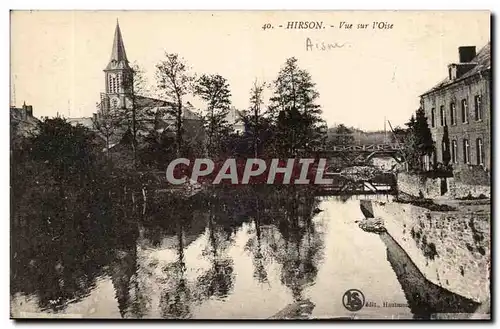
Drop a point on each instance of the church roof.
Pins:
(118, 58)
(85, 121)
(188, 110)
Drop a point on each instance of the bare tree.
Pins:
(174, 81)
(105, 122)
(133, 117)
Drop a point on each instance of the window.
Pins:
(453, 114)
(454, 151)
(466, 151)
(478, 109)
(433, 117)
(465, 111)
(479, 150)
(442, 116)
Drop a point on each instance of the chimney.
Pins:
(29, 110)
(466, 53)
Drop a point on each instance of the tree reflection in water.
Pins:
(72, 242)
(59, 245)
(285, 232)
(175, 298)
(301, 246)
(173, 217)
(254, 244)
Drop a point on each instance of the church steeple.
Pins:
(118, 58)
(119, 77)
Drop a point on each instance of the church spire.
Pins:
(118, 52)
(118, 58)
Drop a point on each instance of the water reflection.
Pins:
(424, 297)
(253, 252)
(59, 248)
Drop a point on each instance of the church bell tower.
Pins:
(118, 77)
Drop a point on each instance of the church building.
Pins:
(119, 95)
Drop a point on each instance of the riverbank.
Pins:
(451, 248)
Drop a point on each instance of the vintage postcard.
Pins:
(250, 165)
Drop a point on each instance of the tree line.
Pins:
(286, 124)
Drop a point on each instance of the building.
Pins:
(119, 95)
(461, 104)
(235, 120)
(22, 121)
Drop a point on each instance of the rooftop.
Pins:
(482, 62)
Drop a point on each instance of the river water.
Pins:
(252, 260)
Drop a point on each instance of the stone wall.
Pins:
(417, 186)
(430, 188)
(459, 190)
(451, 249)
(472, 175)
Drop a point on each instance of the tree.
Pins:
(398, 135)
(423, 133)
(294, 110)
(175, 82)
(69, 151)
(106, 122)
(419, 141)
(253, 117)
(214, 90)
(446, 147)
(137, 118)
(342, 135)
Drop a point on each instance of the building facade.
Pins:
(460, 107)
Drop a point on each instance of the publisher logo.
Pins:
(353, 300)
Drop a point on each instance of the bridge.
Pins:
(390, 148)
(361, 154)
(383, 183)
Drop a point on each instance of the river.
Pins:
(234, 260)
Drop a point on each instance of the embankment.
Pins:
(451, 249)
(447, 187)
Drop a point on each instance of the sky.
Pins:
(58, 57)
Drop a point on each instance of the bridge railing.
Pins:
(365, 147)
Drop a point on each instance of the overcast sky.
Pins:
(57, 58)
